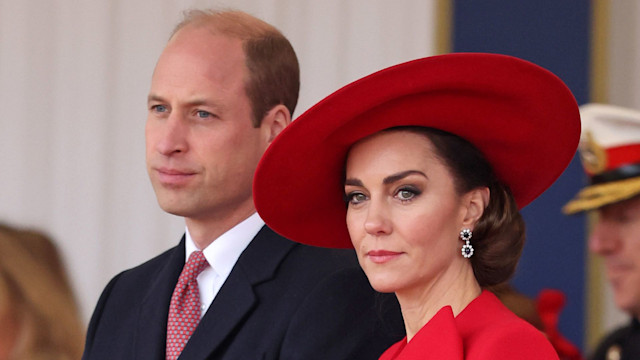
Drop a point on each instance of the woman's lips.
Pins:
(382, 256)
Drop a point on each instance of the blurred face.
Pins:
(403, 215)
(201, 147)
(616, 237)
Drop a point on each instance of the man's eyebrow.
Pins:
(190, 103)
(154, 97)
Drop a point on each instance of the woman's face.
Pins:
(404, 214)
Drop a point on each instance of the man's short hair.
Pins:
(274, 73)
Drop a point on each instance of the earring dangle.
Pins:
(467, 249)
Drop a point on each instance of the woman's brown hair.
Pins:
(36, 300)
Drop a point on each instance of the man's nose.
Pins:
(173, 135)
(604, 238)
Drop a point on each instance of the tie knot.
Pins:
(194, 266)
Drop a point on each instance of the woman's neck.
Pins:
(421, 303)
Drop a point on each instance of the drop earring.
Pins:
(467, 249)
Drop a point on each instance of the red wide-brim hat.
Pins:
(522, 117)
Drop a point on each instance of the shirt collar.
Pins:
(224, 251)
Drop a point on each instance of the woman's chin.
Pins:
(383, 284)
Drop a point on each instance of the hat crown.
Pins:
(592, 154)
(610, 137)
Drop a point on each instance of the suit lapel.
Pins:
(236, 299)
(151, 333)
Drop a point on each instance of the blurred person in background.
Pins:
(610, 153)
(39, 318)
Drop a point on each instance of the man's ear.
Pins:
(475, 201)
(274, 122)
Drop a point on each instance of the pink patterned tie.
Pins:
(184, 311)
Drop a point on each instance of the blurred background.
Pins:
(74, 77)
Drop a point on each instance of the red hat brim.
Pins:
(522, 117)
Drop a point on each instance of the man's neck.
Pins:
(204, 231)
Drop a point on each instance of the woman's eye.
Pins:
(356, 198)
(406, 194)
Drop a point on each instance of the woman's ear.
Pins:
(476, 202)
(274, 122)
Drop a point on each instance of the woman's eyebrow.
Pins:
(353, 182)
(401, 175)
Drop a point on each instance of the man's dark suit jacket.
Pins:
(282, 300)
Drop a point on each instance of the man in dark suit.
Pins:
(225, 85)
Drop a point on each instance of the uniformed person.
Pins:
(610, 153)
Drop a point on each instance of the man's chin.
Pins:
(626, 302)
(174, 208)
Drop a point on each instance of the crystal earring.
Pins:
(467, 249)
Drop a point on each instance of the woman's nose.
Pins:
(377, 221)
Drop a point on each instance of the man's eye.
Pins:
(203, 114)
(159, 108)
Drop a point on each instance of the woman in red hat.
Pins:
(422, 168)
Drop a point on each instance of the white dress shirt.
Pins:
(222, 255)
